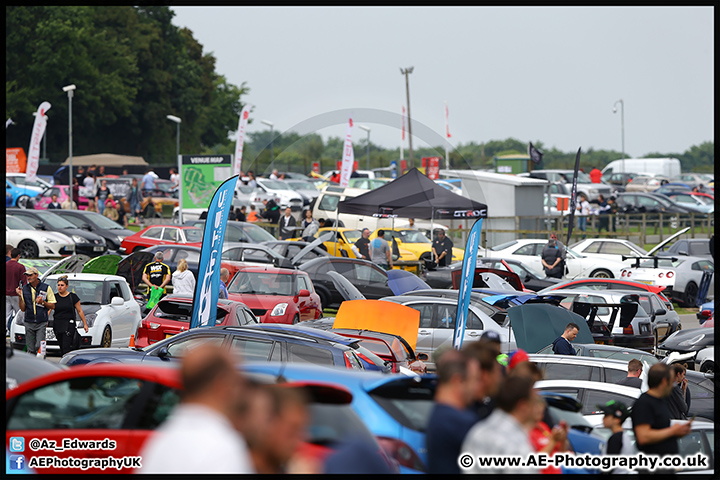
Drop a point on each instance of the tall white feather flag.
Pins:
(241, 138)
(38, 131)
(348, 157)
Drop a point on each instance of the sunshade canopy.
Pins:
(413, 196)
(106, 159)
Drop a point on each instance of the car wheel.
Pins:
(296, 320)
(691, 293)
(707, 367)
(22, 201)
(28, 249)
(106, 339)
(602, 273)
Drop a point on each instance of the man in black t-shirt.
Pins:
(157, 273)
(361, 248)
(442, 249)
(633, 377)
(651, 417)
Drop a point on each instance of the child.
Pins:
(619, 442)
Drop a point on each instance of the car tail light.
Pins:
(628, 330)
(401, 453)
(670, 274)
(660, 275)
(151, 325)
(622, 274)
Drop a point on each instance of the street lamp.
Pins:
(367, 129)
(70, 89)
(272, 154)
(622, 128)
(406, 72)
(178, 121)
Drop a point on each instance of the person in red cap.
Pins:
(517, 357)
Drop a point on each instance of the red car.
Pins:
(162, 235)
(172, 315)
(119, 405)
(611, 284)
(276, 295)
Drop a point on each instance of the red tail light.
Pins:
(401, 453)
(628, 330)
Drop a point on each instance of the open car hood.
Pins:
(71, 264)
(107, 264)
(537, 325)
(315, 243)
(347, 290)
(374, 314)
(660, 245)
(402, 281)
(131, 267)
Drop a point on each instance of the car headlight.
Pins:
(78, 239)
(119, 240)
(279, 309)
(48, 240)
(90, 319)
(691, 341)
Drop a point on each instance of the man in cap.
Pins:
(157, 274)
(36, 300)
(619, 442)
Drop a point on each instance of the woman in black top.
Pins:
(64, 315)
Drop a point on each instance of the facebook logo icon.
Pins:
(17, 462)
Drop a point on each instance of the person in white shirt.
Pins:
(583, 210)
(183, 280)
(200, 435)
(274, 175)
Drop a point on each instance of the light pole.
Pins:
(70, 89)
(622, 128)
(367, 129)
(272, 154)
(178, 121)
(406, 72)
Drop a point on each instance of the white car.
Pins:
(36, 243)
(110, 310)
(597, 369)
(609, 249)
(705, 358)
(288, 196)
(682, 276)
(529, 251)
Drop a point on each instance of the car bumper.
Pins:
(91, 250)
(56, 250)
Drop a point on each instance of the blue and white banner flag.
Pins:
(466, 282)
(207, 287)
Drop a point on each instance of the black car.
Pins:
(290, 248)
(368, 278)
(112, 232)
(687, 341)
(253, 342)
(87, 243)
(21, 367)
(532, 280)
(696, 247)
(240, 231)
(638, 202)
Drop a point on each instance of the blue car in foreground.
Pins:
(394, 407)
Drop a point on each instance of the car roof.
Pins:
(86, 276)
(587, 384)
(244, 267)
(578, 359)
(310, 334)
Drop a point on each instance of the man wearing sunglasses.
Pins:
(36, 300)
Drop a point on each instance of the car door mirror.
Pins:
(87, 227)
(39, 226)
(117, 302)
(304, 293)
(660, 312)
(163, 353)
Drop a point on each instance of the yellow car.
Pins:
(346, 238)
(416, 242)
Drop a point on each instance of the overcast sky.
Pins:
(549, 74)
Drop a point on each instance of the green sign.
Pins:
(201, 176)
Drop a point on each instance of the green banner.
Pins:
(201, 176)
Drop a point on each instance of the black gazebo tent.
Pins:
(413, 196)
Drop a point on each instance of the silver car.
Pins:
(568, 367)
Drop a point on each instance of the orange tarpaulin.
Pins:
(379, 316)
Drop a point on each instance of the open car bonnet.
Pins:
(537, 325)
(107, 264)
(380, 316)
(402, 281)
(131, 267)
(660, 245)
(325, 237)
(492, 278)
(71, 264)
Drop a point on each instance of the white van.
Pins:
(669, 167)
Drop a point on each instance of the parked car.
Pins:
(41, 201)
(701, 203)
(584, 184)
(498, 314)
(276, 295)
(416, 242)
(111, 312)
(613, 249)
(111, 231)
(36, 243)
(705, 359)
(696, 247)
(680, 275)
(531, 279)
(607, 351)
(246, 195)
(86, 242)
(162, 235)
(695, 179)
(254, 343)
(290, 248)
(687, 341)
(700, 440)
(239, 231)
(646, 183)
(672, 187)
(610, 284)
(638, 202)
(21, 190)
(529, 251)
(395, 408)
(254, 253)
(618, 179)
(340, 243)
(172, 315)
(305, 188)
(288, 196)
(21, 367)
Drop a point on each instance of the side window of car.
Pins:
(593, 398)
(566, 371)
(154, 232)
(232, 254)
(78, 403)
(191, 256)
(178, 349)
(614, 376)
(704, 265)
(308, 354)
(368, 275)
(343, 268)
(594, 247)
(526, 250)
(304, 283)
(170, 234)
(115, 290)
(162, 401)
(252, 349)
(445, 316)
(328, 202)
(614, 248)
(474, 323)
(125, 289)
(256, 255)
(692, 444)
(426, 314)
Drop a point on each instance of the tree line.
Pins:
(133, 67)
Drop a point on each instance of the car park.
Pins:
(111, 312)
(531, 279)
(529, 251)
(609, 284)
(305, 188)
(21, 190)
(639, 202)
(41, 201)
(672, 187)
(87, 243)
(172, 314)
(111, 231)
(696, 179)
(700, 203)
(618, 179)
(34, 243)
(290, 248)
(254, 253)
(646, 183)
(239, 231)
(154, 235)
(247, 195)
(254, 343)
(584, 184)
(416, 242)
(276, 295)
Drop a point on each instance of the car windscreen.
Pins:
(257, 234)
(262, 283)
(413, 236)
(352, 236)
(90, 292)
(100, 221)
(503, 246)
(181, 311)
(410, 405)
(56, 221)
(14, 223)
(193, 234)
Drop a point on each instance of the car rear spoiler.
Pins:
(655, 258)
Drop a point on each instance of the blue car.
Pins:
(394, 407)
(706, 311)
(19, 194)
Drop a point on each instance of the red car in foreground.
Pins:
(172, 315)
(118, 406)
(276, 295)
(162, 235)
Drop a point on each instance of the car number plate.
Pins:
(98, 249)
(646, 282)
(600, 342)
(50, 334)
(168, 335)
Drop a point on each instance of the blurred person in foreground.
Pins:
(458, 376)
(200, 436)
(504, 432)
(486, 351)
